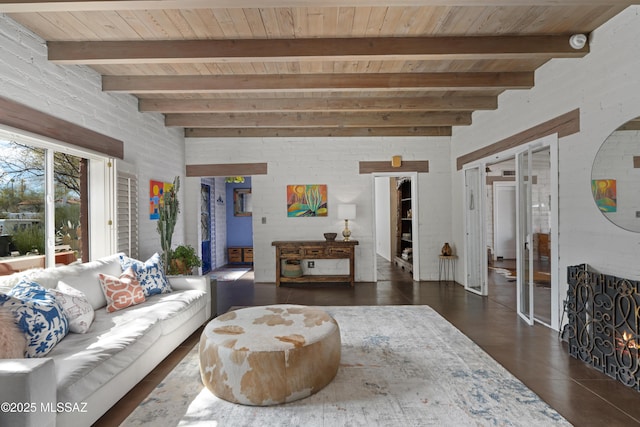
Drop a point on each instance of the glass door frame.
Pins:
(524, 237)
(525, 234)
(479, 201)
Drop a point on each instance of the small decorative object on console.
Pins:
(292, 268)
(446, 250)
(330, 237)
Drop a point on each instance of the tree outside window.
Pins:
(22, 200)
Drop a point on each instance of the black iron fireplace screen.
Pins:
(602, 328)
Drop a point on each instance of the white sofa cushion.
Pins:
(85, 362)
(173, 309)
(83, 277)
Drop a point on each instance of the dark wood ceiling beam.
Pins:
(24, 117)
(237, 105)
(285, 120)
(325, 49)
(228, 169)
(13, 6)
(316, 132)
(320, 82)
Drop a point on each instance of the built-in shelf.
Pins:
(404, 226)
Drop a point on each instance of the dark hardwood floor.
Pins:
(534, 354)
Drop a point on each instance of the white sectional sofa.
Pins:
(86, 373)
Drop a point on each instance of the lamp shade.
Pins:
(347, 211)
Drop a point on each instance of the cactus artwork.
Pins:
(306, 200)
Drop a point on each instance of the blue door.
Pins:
(205, 225)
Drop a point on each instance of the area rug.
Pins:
(400, 366)
(229, 274)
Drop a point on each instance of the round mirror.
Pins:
(615, 176)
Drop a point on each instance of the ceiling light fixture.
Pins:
(578, 41)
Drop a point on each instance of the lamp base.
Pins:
(346, 233)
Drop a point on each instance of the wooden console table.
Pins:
(321, 249)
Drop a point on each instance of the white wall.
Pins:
(383, 217)
(74, 93)
(605, 85)
(333, 161)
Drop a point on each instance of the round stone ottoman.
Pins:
(269, 355)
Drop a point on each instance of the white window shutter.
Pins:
(127, 211)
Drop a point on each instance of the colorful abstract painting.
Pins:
(306, 200)
(605, 194)
(156, 197)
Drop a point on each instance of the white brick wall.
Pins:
(333, 161)
(605, 85)
(73, 93)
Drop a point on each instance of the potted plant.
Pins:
(183, 259)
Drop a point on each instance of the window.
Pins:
(44, 203)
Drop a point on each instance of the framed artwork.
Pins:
(156, 197)
(307, 200)
(605, 194)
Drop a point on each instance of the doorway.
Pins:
(396, 233)
(504, 220)
(223, 225)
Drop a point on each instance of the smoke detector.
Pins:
(578, 41)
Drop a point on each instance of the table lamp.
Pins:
(346, 212)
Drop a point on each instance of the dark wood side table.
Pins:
(309, 250)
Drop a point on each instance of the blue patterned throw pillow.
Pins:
(150, 274)
(38, 315)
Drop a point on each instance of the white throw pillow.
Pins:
(75, 306)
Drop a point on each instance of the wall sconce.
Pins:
(219, 200)
(396, 161)
(346, 212)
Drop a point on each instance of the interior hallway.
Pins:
(534, 354)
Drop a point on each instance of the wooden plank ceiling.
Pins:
(339, 68)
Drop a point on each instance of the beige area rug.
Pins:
(400, 366)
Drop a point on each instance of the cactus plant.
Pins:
(169, 209)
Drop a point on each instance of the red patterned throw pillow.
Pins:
(121, 292)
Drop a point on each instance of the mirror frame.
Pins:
(242, 202)
(603, 184)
